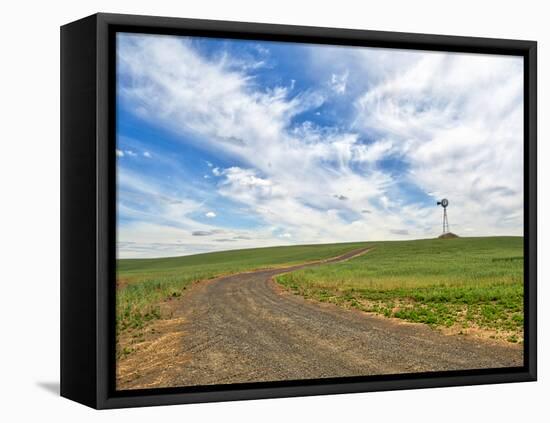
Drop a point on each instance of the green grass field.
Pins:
(464, 282)
(144, 283)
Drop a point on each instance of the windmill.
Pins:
(444, 203)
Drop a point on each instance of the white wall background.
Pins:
(29, 209)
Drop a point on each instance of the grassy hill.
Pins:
(464, 283)
(143, 283)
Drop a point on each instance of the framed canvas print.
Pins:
(254, 211)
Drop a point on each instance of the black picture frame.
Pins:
(88, 209)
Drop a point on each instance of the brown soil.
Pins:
(448, 235)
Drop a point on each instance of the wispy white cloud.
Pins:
(338, 82)
(160, 223)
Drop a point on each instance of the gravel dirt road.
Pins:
(245, 328)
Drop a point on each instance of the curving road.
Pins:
(245, 328)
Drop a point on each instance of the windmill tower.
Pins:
(444, 203)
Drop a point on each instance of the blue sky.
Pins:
(226, 144)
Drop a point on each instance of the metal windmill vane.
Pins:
(444, 203)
